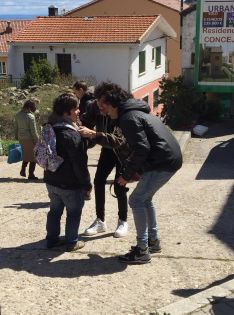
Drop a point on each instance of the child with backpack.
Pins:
(68, 182)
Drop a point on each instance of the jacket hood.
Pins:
(55, 119)
(133, 104)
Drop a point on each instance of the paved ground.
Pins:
(196, 220)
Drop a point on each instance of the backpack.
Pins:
(45, 150)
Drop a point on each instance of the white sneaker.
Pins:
(96, 227)
(122, 229)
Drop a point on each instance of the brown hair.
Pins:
(80, 85)
(30, 105)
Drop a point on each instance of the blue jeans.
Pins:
(144, 211)
(73, 200)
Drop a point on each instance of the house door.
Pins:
(64, 63)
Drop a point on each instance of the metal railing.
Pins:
(8, 81)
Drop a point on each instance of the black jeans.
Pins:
(107, 161)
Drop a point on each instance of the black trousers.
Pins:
(107, 161)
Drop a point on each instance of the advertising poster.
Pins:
(215, 44)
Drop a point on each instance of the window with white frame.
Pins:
(158, 56)
(153, 54)
(155, 98)
(141, 62)
(2, 67)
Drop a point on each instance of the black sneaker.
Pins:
(32, 177)
(51, 244)
(136, 256)
(154, 246)
(23, 173)
(76, 246)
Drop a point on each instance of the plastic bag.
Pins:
(14, 153)
(199, 130)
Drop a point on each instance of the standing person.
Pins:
(80, 89)
(26, 134)
(68, 185)
(95, 116)
(156, 155)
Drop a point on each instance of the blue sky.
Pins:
(36, 7)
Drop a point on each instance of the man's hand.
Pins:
(87, 133)
(121, 181)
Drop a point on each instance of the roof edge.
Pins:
(163, 25)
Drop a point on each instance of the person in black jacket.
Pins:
(80, 89)
(95, 116)
(69, 183)
(156, 156)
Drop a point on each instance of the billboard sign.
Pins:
(215, 46)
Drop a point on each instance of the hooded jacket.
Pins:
(110, 135)
(152, 144)
(73, 172)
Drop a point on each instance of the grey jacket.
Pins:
(25, 126)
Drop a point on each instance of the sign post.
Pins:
(214, 64)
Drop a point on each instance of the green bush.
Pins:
(5, 144)
(181, 103)
(40, 72)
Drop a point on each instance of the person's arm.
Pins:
(33, 128)
(89, 118)
(108, 140)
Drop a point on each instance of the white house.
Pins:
(128, 50)
(188, 43)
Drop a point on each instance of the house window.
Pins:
(192, 58)
(153, 54)
(146, 99)
(2, 67)
(158, 56)
(28, 58)
(141, 62)
(155, 98)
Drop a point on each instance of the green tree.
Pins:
(39, 73)
(181, 103)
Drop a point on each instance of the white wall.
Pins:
(188, 39)
(151, 73)
(104, 62)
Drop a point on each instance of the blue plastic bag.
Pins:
(14, 153)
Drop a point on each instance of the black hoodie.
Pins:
(73, 173)
(153, 145)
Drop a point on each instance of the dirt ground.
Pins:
(196, 221)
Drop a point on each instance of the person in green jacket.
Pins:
(26, 134)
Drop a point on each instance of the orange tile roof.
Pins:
(171, 4)
(17, 26)
(99, 29)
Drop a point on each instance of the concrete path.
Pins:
(196, 222)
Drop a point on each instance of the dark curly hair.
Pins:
(64, 103)
(111, 93)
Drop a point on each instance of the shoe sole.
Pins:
(155, 251)
(91, 234)
(75, 249)
(138, 262)
(119, 236)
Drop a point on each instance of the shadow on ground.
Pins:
(30, 206)
(222, 306)
(223, 229)
(219, 163)
(188, 292)
(35, 259)
(19, 180)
